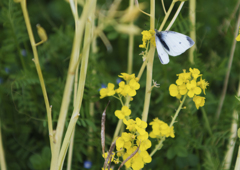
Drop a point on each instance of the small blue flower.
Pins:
(87, 164)
(118, 80)
(6, 70)
(102, 86)
(24, 53)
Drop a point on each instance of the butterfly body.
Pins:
(171, 43)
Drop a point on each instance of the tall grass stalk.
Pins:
(192, 17)
(2, 155)
(81, 84)
(225, 85)
(232, 140)
(130, 43)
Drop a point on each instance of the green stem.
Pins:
(178, 110)
(158, 146)
(225, 85)
(206, 121)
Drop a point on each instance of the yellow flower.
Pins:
(106, 169)
(199, 101)
(238, 38)
(126, 76)
(125, 141)
(134, 85)
(146, 157)
(105, 155)
(109, 91)
(203, 84)
(193, 89)
(146, 36)
(144, 145)
(182, 89)
(125, 111)
(173, 89)
(143, 45)
(161, 129)
(183, 78)
(195, 73)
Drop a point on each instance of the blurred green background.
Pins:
(22, 109)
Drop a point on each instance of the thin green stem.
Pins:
(225, 85)
(206, 121)
(157, 147)
(177, 112)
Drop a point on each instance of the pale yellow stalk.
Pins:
(70, 151)
(38, 67)
(130, 42)
(167, 15)
(175, 16)
(192, 17)
(2, 155)
(69, 82)
(80, 91)
(149, 66)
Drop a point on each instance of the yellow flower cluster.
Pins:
(146, 36)
(161, 129)
(187, 84)
(128, 143)
(126, 88)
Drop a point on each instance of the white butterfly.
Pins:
(172, 43)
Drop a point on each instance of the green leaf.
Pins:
(171, 153)
(181, 151)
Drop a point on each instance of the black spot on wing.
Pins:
(159, 35)
(191, 42)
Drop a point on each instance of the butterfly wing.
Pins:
(162, 55)
(174, 43)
